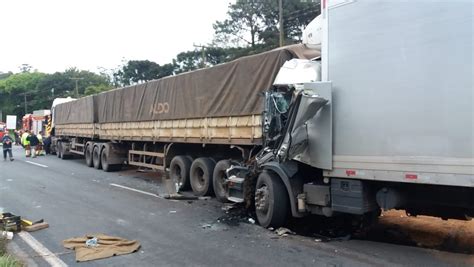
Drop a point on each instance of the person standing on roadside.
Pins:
(33, 143)
(47, 145)
(7, 142)
(17, 137)
(39, 147)
(25, 143)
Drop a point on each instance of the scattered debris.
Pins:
(180, 197)
(251, 220)
(144, 170)
(10, 222)
(228, 207)
(172, 211)
(204, 198)
(7, 235)
(235, 215)
(282, 231)
(92, 242)
(36, 227)
(204, 226)
(271, 228)
(106, 246)
(13, 223)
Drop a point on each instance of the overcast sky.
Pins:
(52, 35)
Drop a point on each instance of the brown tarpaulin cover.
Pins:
(78, 111)
(230, 89)
(108, 246)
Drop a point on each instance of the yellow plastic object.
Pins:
(25, 222)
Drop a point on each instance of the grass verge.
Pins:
(5, 259)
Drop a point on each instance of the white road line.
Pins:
(37, 164)
(136, 190)
(42, 251)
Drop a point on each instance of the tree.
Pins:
(13, 88)
(4, 75)
(95, 89)
(254, 22)
(25, 68)
(41, 89)
(138, 71)
(244, 23)
(64, 83)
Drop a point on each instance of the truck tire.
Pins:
(63, 151)
(58, 148)
(271, 200)
(88, 154)
(104, 160)
(180, 168)
(201, 176)
(96, 158)
(219, 177)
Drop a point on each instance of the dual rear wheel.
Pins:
(97, 156)
(206, 177)
(203, 175)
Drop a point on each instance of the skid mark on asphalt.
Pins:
(37, 164)
(136, 190)
(42, 251)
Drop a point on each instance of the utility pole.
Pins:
(203, 54)
(77, 90)
(26, 103)
(280, 9)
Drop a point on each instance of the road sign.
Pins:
(11, 122)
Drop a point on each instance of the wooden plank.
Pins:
(147, 153)
(76, 152)
(147, 165)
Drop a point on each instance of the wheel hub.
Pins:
(261, 199)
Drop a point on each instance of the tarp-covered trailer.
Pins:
(200, 112)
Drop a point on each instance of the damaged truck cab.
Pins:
(285, 176)
(375, 127)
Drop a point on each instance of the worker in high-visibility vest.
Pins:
(25, 143)
(39, 147)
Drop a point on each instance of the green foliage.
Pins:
(4, 75)
(252, 22)
(41, 89)
(5, 259)
(95, 89)
(9, 261)
(21, 82)
(139, 71)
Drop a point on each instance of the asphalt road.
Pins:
(76, 200)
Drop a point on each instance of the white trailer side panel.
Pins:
(402, 75)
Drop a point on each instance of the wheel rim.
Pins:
(200, 181)
(222, 187)
(177, 174)
(88, 154)
(262, 202)
(95, 157)
(104, 158)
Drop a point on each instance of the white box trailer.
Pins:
(402, 82)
